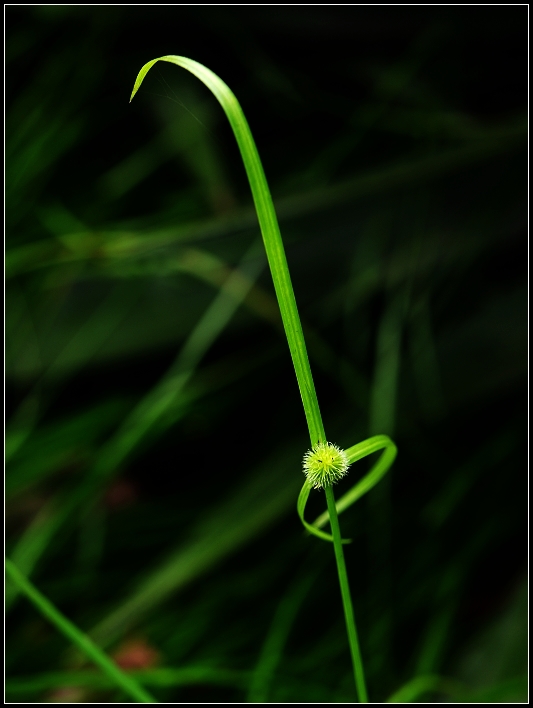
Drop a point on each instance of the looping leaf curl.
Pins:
(360, 488)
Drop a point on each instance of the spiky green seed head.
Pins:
(325, 464)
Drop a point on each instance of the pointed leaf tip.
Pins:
(140, 76)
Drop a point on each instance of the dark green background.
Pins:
(394, 142)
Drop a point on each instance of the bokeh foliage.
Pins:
(155, 434)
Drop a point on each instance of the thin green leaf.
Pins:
(269, 229)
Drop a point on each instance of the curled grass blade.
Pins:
(360, 488)
(300, 506)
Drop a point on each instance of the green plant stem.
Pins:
(346, 598)
(277, 261)
(82, 641)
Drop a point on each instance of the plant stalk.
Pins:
(346, 599)
(277, 260)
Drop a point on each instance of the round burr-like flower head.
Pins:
(325, 464)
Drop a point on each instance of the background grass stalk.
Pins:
(346, 599)
(81, 640)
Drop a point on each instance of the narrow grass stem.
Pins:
(82, 641)
(346, 599)
(275, 252)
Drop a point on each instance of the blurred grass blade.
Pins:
(220, 531)
(147, 412)
(168, 391)
(382, 412)
(272, 649)
(161, 677)
(32, 545)
(420, 685)
(81, 640)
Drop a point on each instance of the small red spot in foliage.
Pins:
(120, 493)
(136, 654)
(67, 694)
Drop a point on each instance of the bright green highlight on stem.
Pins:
(81, 640)
(293, 329)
